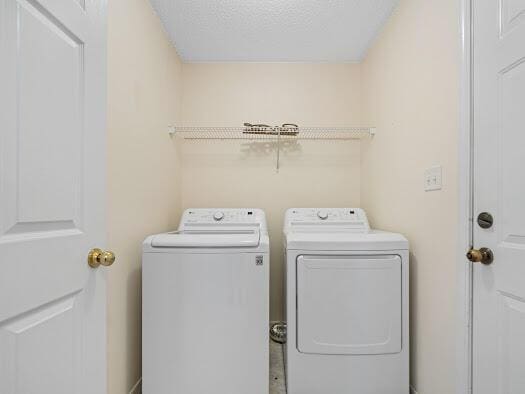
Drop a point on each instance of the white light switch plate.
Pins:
(433, 178)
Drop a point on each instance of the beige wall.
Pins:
(406, 87)
(144, 90)
(229, 174)
(410, 92)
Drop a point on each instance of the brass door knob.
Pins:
(97, 257)
(483, 255)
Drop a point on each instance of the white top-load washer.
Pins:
(205, 305)
(346, 304)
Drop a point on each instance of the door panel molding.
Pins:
(44, 328)
(512, 13)
(42, 176)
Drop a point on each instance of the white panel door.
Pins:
(52, 196)
(499, 188)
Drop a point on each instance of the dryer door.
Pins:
(349, 304)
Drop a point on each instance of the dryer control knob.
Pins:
(218, 215)
(323, 215)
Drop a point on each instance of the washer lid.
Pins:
(341, 240)
(219, 238)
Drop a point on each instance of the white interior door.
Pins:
(52, 196)
(499, 188)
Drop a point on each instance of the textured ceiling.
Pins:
(273, 30)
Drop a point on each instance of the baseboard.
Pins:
(137, 388)
(412, 390)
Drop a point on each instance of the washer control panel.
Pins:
(226, 216)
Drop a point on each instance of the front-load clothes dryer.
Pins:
(205, 305)
(346, 304)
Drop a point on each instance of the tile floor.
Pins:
(277, 383)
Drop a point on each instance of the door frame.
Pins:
(465, 222)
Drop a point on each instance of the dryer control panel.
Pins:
(344, 218)
(223, 216)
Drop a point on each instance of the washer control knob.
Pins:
(323, 215)
(218, 215)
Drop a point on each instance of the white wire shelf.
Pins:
(285, 132)
(279, 137)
